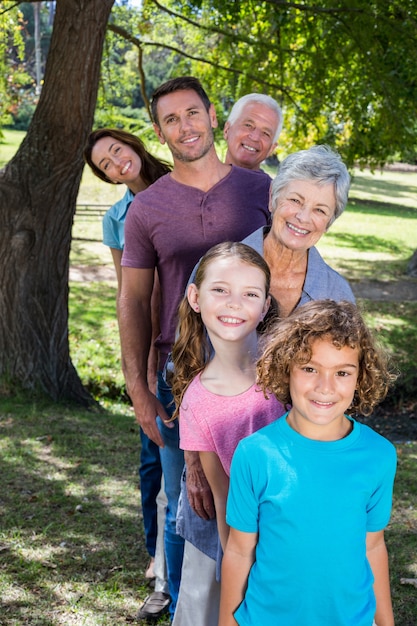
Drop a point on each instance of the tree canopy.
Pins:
(344, 71)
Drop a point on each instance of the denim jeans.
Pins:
(172, 460)
(150, 474)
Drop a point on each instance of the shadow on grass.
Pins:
(92, 304)
(365, 243)
(401, 537)
(402, 549)
(71, 534)
(377, 186)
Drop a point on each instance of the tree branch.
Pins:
(211, 29)
(135, 41)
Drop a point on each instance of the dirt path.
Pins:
(403, 290)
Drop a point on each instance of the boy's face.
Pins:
(322, 390)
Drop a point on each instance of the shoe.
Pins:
(154, 606)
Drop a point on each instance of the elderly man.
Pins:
(252, 130)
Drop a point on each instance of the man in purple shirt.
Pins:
(170, 226)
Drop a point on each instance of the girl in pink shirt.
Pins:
(215, 356)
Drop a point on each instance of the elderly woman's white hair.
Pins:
(261, 98)
(319, 164)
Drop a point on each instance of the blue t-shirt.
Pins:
(311, 503)
(114, 222)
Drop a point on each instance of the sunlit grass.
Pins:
(374, 242)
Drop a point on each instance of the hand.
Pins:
(199, 493)
(147, 407)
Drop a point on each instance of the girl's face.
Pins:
(231, 298)
(322, 390)
(302, 214)
(117, 160)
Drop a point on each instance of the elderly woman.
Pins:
(309, 192)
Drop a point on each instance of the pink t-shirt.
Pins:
(212, 423)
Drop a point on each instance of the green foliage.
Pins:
(130, 119)
(395, 325)
(14, 77)
(343, 72)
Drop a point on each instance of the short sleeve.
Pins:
(192, 434)
(243, 517)
(139, 251)
(380, 503)
(111, 232)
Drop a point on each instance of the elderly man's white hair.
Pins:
(261, 98)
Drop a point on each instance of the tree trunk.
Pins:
(38, 192)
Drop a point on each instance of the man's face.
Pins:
(185, 125)
(250, 139)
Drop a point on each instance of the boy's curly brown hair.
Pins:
(289, 342)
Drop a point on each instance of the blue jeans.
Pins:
(172, 460)
(150, 473)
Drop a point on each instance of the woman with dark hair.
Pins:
(118, 157)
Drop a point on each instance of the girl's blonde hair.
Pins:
(192, 350)
(289, 342)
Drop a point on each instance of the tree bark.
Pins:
(38, 192)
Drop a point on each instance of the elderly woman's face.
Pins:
(302, 214)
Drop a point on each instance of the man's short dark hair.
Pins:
(178, 84)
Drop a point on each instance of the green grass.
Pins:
(9, 144)
(373, 241)
(71, 540)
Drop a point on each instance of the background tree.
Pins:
(343, 70)
(38, 191)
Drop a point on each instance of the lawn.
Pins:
(71, 540)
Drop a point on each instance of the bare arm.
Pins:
(135, 325)
(198, 489)
(156, 329)
(117, 261)
(219, 484)
(155, 303)
(376, 552)
(238, 558)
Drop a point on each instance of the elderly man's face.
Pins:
(250, 139)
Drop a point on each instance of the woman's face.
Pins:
(302, 214)
(117, 160)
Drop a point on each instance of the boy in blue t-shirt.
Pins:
(311, 494)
